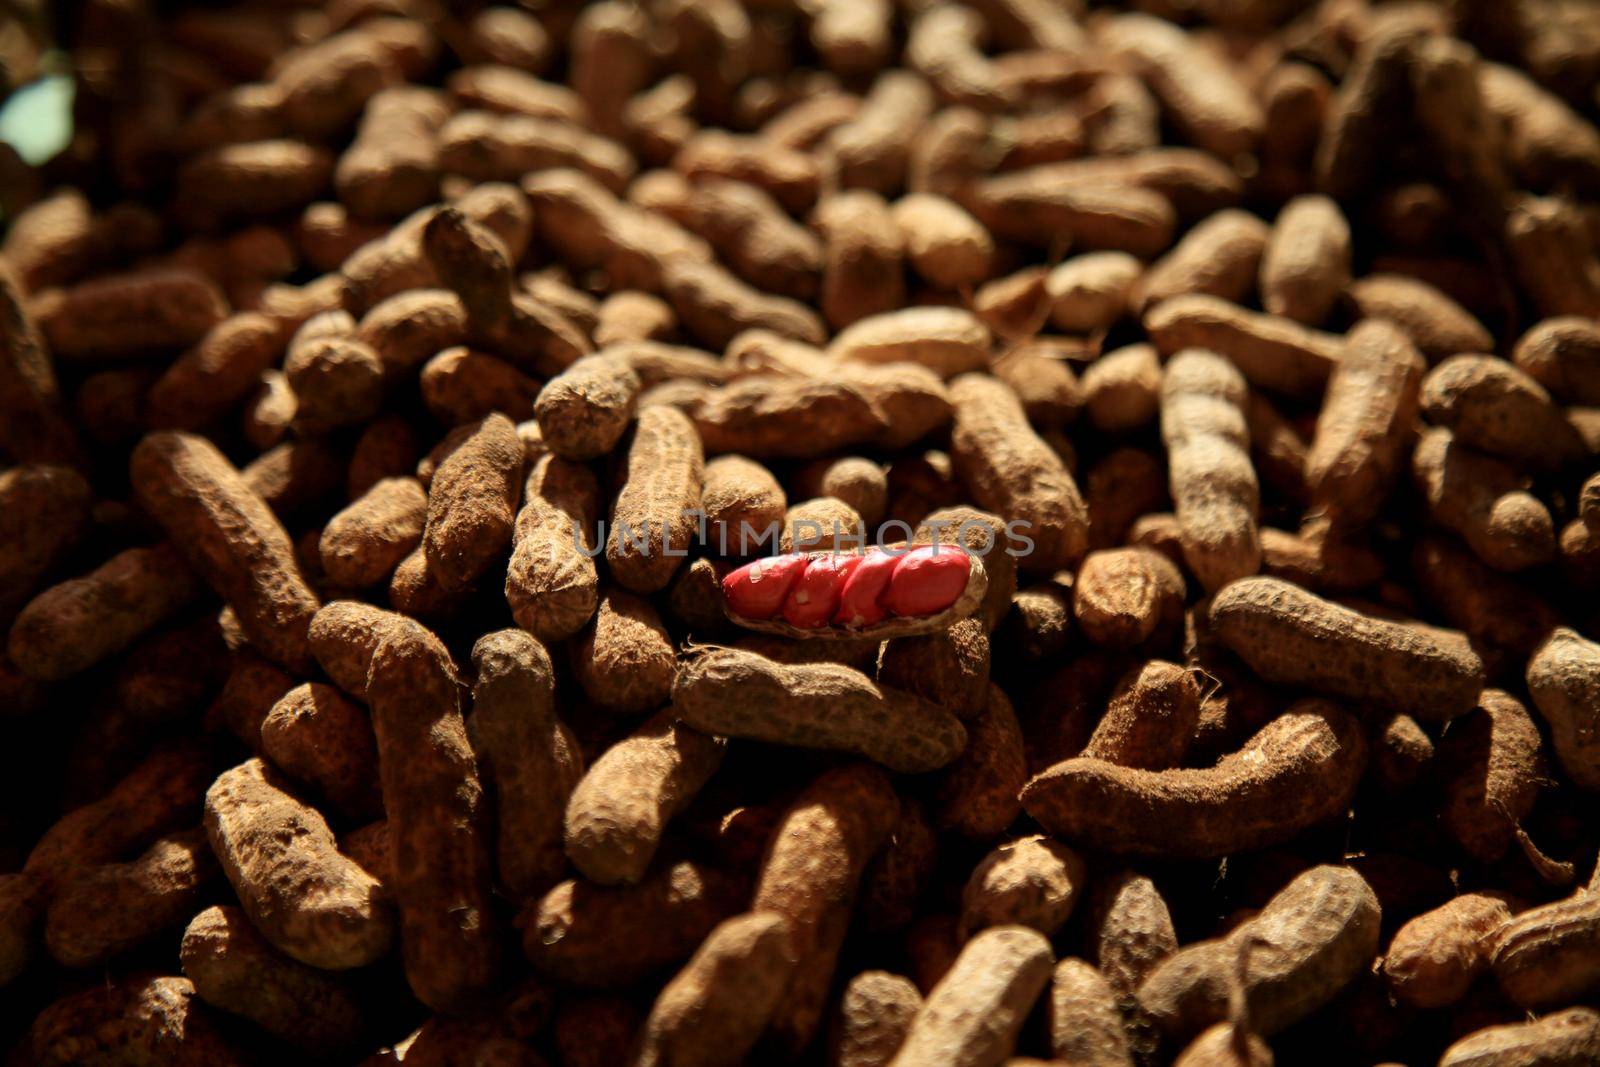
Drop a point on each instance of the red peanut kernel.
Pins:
(815, 597)
(759, 590)
(927, 580)
(859, 599)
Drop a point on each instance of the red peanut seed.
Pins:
(757, 591)
(927, 580)
(860, 599)
(815, 596)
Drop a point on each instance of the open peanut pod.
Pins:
(879, 592)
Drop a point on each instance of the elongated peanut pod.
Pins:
(472, 502)
(1213, 482)
(529, 755)
(552, 586)
(1219, 257)
(229, 536)
(1560, 1038)
(113, 908)
(713, 1011)
(1365, 424)
(1009, 470)
(810, 875)
(1292, 637)
(1296, 955)
(1314, 752)
(619, 810)
(652, 520)
(71, 626)
(1307, 261)
(1085, 1023)
(572, 932)
(235, 969)
(1272, 353)
(1485, 501)
(434, 803)
(816, 705)
(975, 1014)
(312, 902)
(882, 593)
(1548, 955)
(1491, 405)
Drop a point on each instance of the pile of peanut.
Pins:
(388, 386)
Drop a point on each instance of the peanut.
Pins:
(1132, 928)
(1010, 471)
(1151, 719)
(1314, 750)
(943, 243)
(624, 658)
(528, 755)
(810, 875)
(361, 545)
(874, 149)
(551, 584)
(874, 1015)
(1545, 955)
(472, 502)
(713, 1011)
(1267, 622)
(1435, 957)
(461, 385)
(434, 804)
(235, 970)
(141, 1018)
(862, 250)
(977, 796)
(619, 809)
(111, 909)
(313, 903)
(1271, 353)
(1562, 677)
(975, 1013)
(1436, 324)
(948, 341)
(1122, 389)
(1213, 483)
(570, 933)
(392, 166)
(1085, 1025)
(1490, 405)
(585, 410)
(124, 316)
(226, 533)
(1200, 94)
(1032, 881)
(1219, 257)
(1125, 597)
(1365, 423)
(652, 518)
(1307, 260)
(1296, 954)
(1482, 500)
(1563, 355)
(1570, 1036)
(828, 706)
